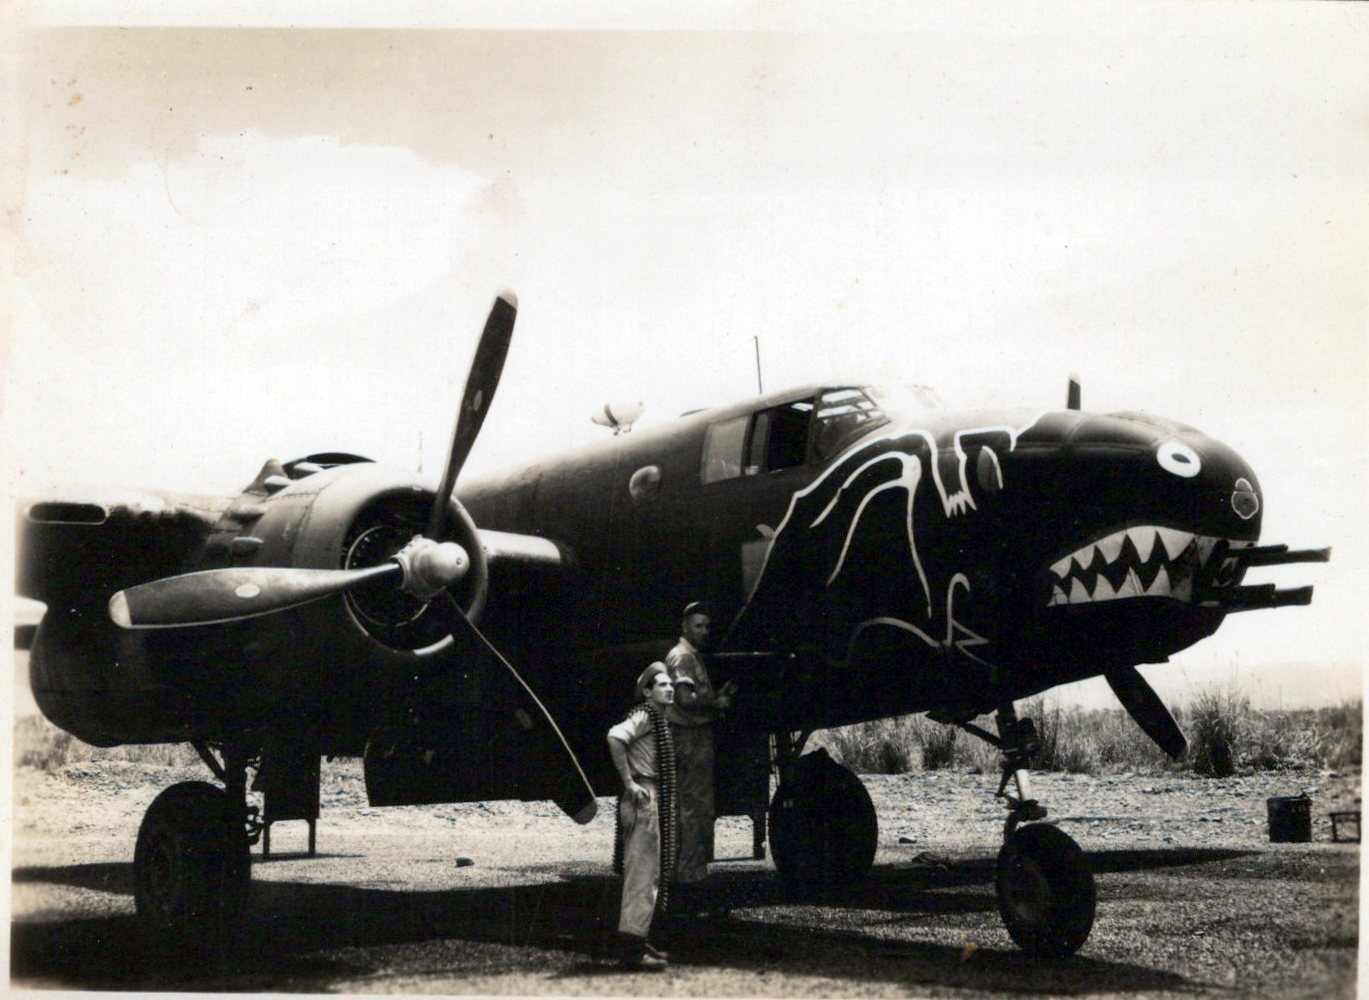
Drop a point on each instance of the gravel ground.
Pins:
(1193, 899)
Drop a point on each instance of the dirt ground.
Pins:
(1193, 899)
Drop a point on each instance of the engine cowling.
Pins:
(361, 515)
(329, 668)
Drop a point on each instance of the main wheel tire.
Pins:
(1045, 891)
(823, 829)
(191, 869)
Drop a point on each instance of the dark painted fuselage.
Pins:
(858, 568)
(911, 572)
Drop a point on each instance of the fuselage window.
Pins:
(843, 415)
(780, 439)
(723, 449)
(755, 449)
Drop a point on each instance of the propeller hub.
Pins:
(431, 567)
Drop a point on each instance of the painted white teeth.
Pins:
(1174, 541)
(1112, 546)
(1160, 586)
(1182, 553)
(1131, 586)
(1144, 541)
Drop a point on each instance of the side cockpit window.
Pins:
(787, 436)
(767, 441)
(780, 438)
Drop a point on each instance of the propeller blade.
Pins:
(558, 769)
(1145, 706)
(481, 382)
(225, 595)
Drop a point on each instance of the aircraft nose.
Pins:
(1228, 492)
(1194, 477)
(1152, 509)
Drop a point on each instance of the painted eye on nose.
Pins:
(1179, 458)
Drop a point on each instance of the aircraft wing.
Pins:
(529, 552)
(526, 564)
(80, 547)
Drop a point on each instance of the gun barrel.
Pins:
(1279, 555)
(1263, 596)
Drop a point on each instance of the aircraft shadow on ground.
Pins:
(1112, 861)
(291, 923)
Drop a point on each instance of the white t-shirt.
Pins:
(635, 731)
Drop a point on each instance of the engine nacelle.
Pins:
(328, 670)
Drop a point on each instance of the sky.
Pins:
(227, 243)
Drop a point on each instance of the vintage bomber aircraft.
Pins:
(865, 555)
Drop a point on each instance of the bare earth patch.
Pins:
(1193, 899)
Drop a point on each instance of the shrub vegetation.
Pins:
(38, 743)
(1225, 737)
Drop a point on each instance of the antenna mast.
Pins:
(757, 341)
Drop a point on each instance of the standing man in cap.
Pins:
(644, 848)
(697, 706)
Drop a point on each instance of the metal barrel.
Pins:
(1290, 819)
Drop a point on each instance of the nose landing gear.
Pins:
(1045, 888)
(823, 835)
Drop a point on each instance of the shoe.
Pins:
(638, 955)
(655, 952)
(644, 962)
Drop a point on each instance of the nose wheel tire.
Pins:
(1045, 889)
(823, 829)
(191, 869)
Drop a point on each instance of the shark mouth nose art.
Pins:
(1140, 561)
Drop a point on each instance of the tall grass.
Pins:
(901, 745)
(40, 744)
(1218, 720)
(1225, 735)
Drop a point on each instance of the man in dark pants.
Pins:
(697, 706)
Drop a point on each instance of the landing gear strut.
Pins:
(1045, 888)
(191, 869)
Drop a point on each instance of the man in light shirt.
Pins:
(696, 707)
(645, 845)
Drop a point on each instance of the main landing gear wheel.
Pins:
(1045, 891)
(823, 829)
(191, 870)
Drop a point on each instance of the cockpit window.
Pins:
(842, 416)
(780, 438)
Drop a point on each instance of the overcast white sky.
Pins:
(233, 244)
